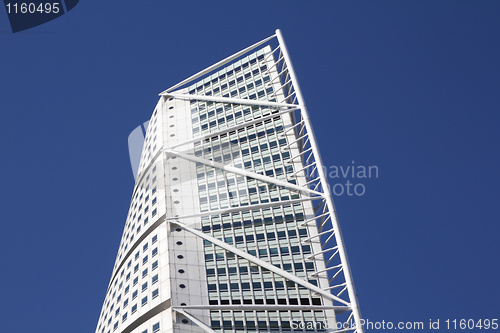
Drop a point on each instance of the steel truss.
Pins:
(341, 291)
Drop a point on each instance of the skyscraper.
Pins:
(231, 226)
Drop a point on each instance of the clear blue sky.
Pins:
(409, 86)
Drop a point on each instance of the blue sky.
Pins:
(411, 87)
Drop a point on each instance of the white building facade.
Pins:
(231, 226)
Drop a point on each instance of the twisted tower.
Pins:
(231, 226)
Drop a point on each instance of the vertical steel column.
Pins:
(327, 194)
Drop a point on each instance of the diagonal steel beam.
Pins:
(274, 307)
(246, 173)
(232, 128)
(241, 101)
(195, 320)
(244, 208)
(259, 262)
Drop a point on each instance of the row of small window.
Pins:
(269, 147)
(243, 86)
(219, 114)
(135, 294)
(154, 252)
(230, 120)
(244, 270)
(261, 253)
(227, 155)
(135, 281)
(206, 112)
(224, 147)
(136, 269)
(147, 188)
(151, 138)
(154, 280)
(248, 286)
(256, 222)
(270, 236)
(149, 150)
(153, 241)
(245, 201)
(242, 92)
(266, 216)
(225, 181)
(262, 326)
(223, 140)
(146, 209)
(131, 233)
(132, 218)
(151, 135)
(233, 194)
(201, 111)
(245, 114)
(151, 127)
(145, 202)
(230, 71)
(269, 301)
(144, 301)
(147, 153)
(258, 194)
(278, 221)
(240, 87)
(296, 315)
(253, 164)
(228, 182)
